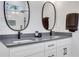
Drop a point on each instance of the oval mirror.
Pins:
(17, 14)
(48, 16)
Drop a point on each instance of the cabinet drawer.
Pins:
(50, 45)
(50, 53)
(26, 50)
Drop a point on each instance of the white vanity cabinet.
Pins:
(64, 47)
(55, 48)
(50, 49)
(27, 50)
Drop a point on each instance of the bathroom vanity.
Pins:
(46, 46)
(51, 44)
(47, 49)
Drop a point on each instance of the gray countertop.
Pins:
(11, 42)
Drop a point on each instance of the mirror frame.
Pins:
(6, 17)
(54, 15)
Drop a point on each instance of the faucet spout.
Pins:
(19, 35)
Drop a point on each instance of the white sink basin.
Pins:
(56, 36)
(22, 41)
(33, 40)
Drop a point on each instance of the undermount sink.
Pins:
(32, 40)
(56, 37)
(22, 41)
(36, 39)
(25, 40)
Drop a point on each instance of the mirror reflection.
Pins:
(17, 14)
(48, 15)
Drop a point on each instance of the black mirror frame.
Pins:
(54, 15)
(6, 18)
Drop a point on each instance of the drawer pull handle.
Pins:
(65, 51)
(51, 45)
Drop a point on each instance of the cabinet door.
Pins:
(61, 51)
(64, 47)
(69, 54)
(50, 53)
(61, 44)
(26, 50)
(68, 46)
(64, 51)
